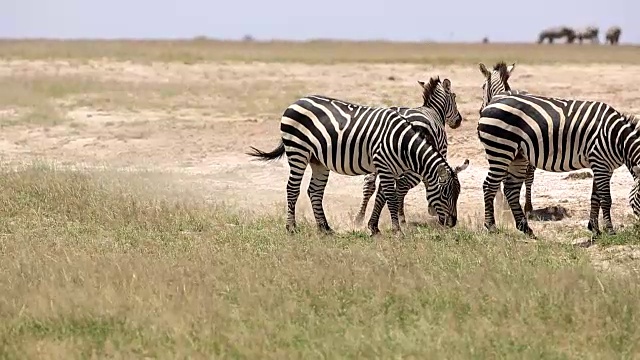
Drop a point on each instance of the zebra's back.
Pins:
(553, 134)
(341, 135)
(430, 123)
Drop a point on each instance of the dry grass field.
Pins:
(133, 225)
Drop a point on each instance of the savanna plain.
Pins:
(132, 224)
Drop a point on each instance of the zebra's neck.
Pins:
(419, 155)
(631, 145)
(623, 137)
(433, 114)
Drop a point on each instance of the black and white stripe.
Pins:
(496, 84)
(438, 107)
(556, 135)
(350, 139)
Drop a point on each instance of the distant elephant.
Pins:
(613, 35)
(557, 33)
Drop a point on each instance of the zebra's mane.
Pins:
(633, 120)
(429, 89)
(501, 68)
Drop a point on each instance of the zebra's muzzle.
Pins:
(452, 221)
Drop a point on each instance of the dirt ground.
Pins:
(200, 137)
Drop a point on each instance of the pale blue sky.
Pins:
(411, 20)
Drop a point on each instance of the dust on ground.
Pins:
(202, 139)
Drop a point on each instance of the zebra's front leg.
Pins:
(387, 186)
(602, 181)
(368, 188)
(374, 220)
(317, 185)
(405, 183)
(593, 225)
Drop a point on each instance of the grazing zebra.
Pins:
(612, 35)
(496, 84)
(557, 135)
(350, 139)
(559, 32)
(439, 106)
(590, 32)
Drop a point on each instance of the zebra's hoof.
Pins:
(292, 228)
(610, 231)
(374, 231)
(491, 228)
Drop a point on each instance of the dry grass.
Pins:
(192, 51)
(118, 265)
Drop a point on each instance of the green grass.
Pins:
(109, 264)
(320, 51)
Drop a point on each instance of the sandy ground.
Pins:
(202, 139)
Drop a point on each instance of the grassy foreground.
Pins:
(314, 52)
(104, 264)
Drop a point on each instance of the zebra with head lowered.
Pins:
(439, 106)
(350, 139)
(558, 32)
(557, 135)
(496, 84)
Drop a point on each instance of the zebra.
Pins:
(613, 35)
(350, 139)
(496, 84)
(557, 135)
(439, 106)
(590, 32)
(559, 32)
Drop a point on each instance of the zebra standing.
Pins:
(612, 35)
(590, 32)
(559, 32)
(557, 135)
(496, 84)
(439, 106)
(350, 139)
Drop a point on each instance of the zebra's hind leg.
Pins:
(518, 172)
(497, 173)
(528, 183)
(297, 166)
(317, 185)
(368, 188)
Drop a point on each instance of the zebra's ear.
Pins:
(421, 83)
(510, 68)
(446, 84)
(443, 173)
(484, 71)
(462, 167)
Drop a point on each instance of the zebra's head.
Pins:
(634, 196)
(446, 201)
(495, 81)
(437, 94)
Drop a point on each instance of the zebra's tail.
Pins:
(275, 154)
